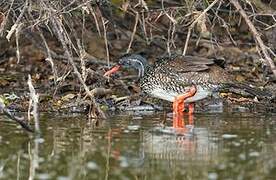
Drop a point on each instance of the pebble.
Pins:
(229, 136)
(254, 154)
(213, 176)
(92, 165)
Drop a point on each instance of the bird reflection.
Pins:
(179, 123)
(179, 140)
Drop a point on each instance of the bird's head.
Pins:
(135, 61)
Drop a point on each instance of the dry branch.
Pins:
(256, 35)
(194, 23)
(57, 25)
(133, 32)
(24, 124)
(105, 23)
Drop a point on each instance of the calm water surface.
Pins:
(216, 146)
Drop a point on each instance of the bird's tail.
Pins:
(246, 90)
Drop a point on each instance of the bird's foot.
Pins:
(178, 104)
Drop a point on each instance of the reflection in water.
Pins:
(181, 141)
(197, 147)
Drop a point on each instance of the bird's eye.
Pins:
(126, 63)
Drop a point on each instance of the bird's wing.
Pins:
(182, 64)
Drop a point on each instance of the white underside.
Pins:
(170, 96)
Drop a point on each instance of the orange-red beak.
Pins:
(112, 70)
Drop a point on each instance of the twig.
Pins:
(171, 32)
(133, 32)
(165, 12)
(256, 36)
(104, 23)
(144, 4)
(49, 57)
(57, 25)
(17, 34)
(270, 27)
(194, 23)
(5, 19)
(88, 57)
(18, 23)
(144, 27)
(95, 19)
(19, 120)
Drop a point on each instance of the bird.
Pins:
(178, 79)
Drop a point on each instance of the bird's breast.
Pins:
(170, 95)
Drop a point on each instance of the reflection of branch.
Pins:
(18, 165)
(34, 158)
(19, 120)
(256, 35)
(34, 104)
(107, 167)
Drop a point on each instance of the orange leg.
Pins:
(178, 120)
(191, 108)
(179, 123)
(178, 104)
(191, 119)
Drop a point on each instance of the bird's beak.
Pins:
(112, 70)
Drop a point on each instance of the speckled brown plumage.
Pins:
(176, 75)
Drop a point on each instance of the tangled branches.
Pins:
(166, 25)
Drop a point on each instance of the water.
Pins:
(216, 146)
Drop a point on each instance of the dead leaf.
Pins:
(68, 97)
(125, 6)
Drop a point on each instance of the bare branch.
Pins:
(59, 29)
(133, 32)
(194, 23)
(256, 35)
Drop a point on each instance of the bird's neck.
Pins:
(141, 67)
(141, 70)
